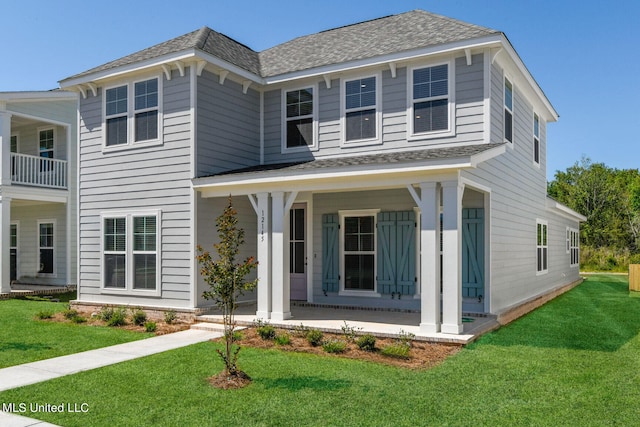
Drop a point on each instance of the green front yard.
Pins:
(574, 361)
(23, 338)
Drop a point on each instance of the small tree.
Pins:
(226, 280)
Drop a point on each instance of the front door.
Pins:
(297, 252)
(13, 250)
(473, 260)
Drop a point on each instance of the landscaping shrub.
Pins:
(314, 337)
(170, 316)
(150, 326)
(266, 331)
(334, 346)
(70, 313)
(106, 313)
(44, 314)
(350, 332)
(300, 331)
(139, 317)
(78, 319)
(118, 317)
(283, 339)
(366, 342)
(397, 350)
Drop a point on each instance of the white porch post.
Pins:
(280, 258)
(429, 258)
(5, 244)
(5, 148)
(451, 257)
(261, 206)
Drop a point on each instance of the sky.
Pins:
(583, 53)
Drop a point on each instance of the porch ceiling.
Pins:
(382, 170)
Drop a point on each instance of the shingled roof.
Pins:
(369, 39)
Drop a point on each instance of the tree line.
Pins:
(610, 199)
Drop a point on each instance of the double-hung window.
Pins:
(573, 247)
(299, 118)
(361, 106)
(132, 113)
(430, 99)
(45, 150)
(359, 251)
(130, 252)
(508, 110)
(46, 247)
(542, 247)
(536, 139)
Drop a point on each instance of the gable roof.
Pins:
(390, 34)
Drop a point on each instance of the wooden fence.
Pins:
(634, 277)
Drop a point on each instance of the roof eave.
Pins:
(564, 210)
(37, 96)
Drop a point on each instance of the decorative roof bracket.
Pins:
(200, 67)
(167, 71)
(327, 80)
(223, 76)
(467, 53)
(392, 67)
(245, 86)
(180, 66)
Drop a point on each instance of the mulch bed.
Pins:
(161, 327)
(422, 355)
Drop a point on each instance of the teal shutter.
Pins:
(473, 253)
(386, 252)
(397, 253)
(330, 253)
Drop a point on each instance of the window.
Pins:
(508, 110)
(299, 120)
(573, 246)
(46, 143)
(46, 244)
(130, 252)
(360, 109)
(542, 247)
(536, 139)
(359, 252)
(14, 143)
(132, 113)
(430, 99)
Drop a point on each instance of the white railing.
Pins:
(38, 171)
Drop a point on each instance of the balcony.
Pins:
(38, 171)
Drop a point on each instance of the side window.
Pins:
(430, 96)
(508, 111)
(299, 128)
(116, 106)
(536, 139)
(542, 247)
(360, 109)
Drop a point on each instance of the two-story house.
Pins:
(396, 163)
(38, 210)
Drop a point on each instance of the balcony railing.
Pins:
(38, 171)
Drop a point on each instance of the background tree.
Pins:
(226, 279)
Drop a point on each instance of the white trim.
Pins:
(36, 96)
(358, 213)
(53, 222)
(284, 119)
(131, 114)
(451, 94)
(486, 111)
(377, 139)
(193, 196)
(564, 211)
(128, 215)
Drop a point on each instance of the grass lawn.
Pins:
(25, 339)
(575, 361)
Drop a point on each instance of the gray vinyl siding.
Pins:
(27, 218)
(228, 126)
(469, 110)
(139, 179)
(518, 198)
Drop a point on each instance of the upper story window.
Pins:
(361, 106)
(536, 139)
(508, 110)
(46, 139)
(132, 113)
(14, 144)
(299, 118)
(430, 95)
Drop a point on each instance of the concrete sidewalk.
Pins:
(43, 370)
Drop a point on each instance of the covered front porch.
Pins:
(369, 236)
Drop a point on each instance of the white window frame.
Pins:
(343, 214)
(451, 120)
(55, 139)
(131, 113)
(377, 139)
(536, 139)
(506, 79)
(314, 119)
(53, 248)
(129, 253)
(573, 244)
(542, 247)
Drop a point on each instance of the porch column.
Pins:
(429, 258)
(5, 148)
(451, 257)
(261, 206)
(5, 244)
(280, 257)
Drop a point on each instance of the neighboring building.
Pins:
(398, 163)
(38, 188)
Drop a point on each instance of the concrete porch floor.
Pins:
(382, 323)
(20, 289)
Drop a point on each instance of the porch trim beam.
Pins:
(5, 244)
